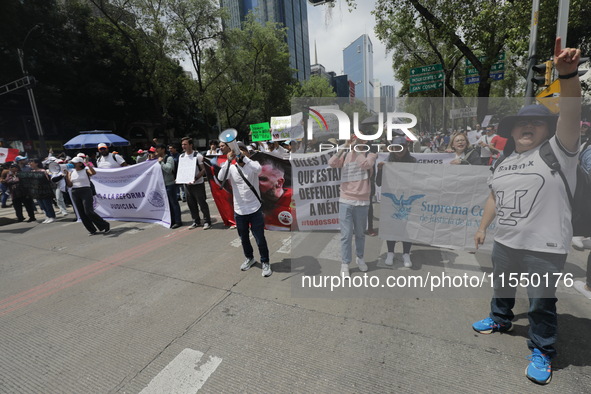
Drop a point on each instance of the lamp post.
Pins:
(21, 57)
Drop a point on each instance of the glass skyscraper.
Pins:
(358, 65)
(293, 14)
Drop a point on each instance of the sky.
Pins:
(333, 29)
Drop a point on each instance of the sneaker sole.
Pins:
(492, 331)
(249, 267)
(535, 380)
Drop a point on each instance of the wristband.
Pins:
(569, 76)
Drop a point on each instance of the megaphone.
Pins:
(56, 168)
(229, 136)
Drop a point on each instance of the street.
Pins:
(153, 310)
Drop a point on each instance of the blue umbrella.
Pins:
(91, 139)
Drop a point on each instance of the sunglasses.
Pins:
(535, 123)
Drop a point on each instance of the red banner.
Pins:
(8, 154)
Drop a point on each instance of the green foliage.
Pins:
(249, 77)
(316, 86)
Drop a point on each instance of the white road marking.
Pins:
(286, 246)
(237, 243)
(184, 374)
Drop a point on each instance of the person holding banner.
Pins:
(534, 228)
(79, 182)
(194, 184)
(463, 150)
(248, 211)
(354, 198)
(167, 166)
(402, 156)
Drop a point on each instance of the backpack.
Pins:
(580, 201)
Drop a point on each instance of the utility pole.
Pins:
(42, 145)
(532, 56)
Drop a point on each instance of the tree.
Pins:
(249, 76)
(316, 86)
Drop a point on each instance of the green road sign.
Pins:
(500, 66)
(419, 79)
(260, 132)
(501, 57)
(426, 86)
(426, 69)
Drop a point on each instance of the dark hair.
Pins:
(188, 139)
(214, 142)
(37, 161)
(161, 146)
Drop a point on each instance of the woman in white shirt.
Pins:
(82, 196)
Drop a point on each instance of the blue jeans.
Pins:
(46, 204)
(543, 319)
(173, 203)
(3, 194)
(353, 219)
(257, 226)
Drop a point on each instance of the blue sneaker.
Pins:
(488, 326)
(539, 369)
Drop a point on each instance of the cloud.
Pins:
(333, 29)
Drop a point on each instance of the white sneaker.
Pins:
(64, 214)
(49, 220)
(345, 271)
(361, 264)
(247, 264)
(206, 226)
(45, 221)
(406, 259)
(389, 259)
(582, 288)
(266, 270)
(578, 243)
(587, 243)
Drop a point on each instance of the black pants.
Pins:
(196, 199)
(83, 201)
(18, 203)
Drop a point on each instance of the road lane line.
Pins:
(181, 375)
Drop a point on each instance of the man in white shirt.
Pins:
(248, 213)
(108, 160)
(484, 142)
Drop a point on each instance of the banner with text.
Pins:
(287, 127)
(434, 204)
(316, 191)
(133, 193)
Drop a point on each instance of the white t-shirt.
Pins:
(485, 151)
(245, 202)
(532, 206)
(80, 179)
(109, 161)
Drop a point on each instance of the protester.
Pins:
(402, 156)
(108, 160)
(354, 197)
(4, 194)
(213, 148)
(243, 177)
(167, 165)
(464, 152)
(195, 190)
(44, 191)
(19, 195)
(79, 181)
(60, 187)
(533, 237)
(484, 143)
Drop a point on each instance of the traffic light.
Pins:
(545, 73)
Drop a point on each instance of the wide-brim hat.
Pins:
(533, 111)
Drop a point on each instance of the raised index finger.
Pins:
(557, 46)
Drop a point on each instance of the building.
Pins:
(387, 98)
(358, 65)
(293, 14)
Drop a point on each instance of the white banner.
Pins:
(133, 193)
(287, 127)
(187, 169)
(315, 191)
(434, 204)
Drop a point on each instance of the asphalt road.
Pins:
(153, 310)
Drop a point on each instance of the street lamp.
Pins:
(21, 57)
